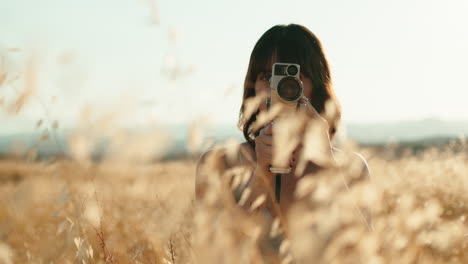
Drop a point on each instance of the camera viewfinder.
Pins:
(280, 70)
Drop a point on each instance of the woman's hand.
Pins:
(316, 146)
(264, 148)
(314, 130)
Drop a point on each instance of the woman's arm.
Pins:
(213, 171)
(259, 188)
(210, 165)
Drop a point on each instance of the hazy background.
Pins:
(398, 66)
(73, 188)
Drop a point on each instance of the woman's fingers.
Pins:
(263, 148)
(265, 136)
(263, 152)
(265, 140)
(268, 129)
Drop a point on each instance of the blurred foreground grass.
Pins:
(70, 212)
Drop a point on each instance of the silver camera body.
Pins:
(286, 87)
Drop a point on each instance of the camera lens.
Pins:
(292, 70)
(289, 89)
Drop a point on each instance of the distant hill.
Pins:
(418, 134)
(407, 131)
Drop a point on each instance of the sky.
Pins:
(148, 62)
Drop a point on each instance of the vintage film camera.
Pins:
(286, 88)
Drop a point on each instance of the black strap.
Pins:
(278, 187)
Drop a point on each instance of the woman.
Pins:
(290, 44)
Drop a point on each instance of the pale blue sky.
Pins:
(391, 60)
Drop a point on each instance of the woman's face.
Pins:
(262, 85)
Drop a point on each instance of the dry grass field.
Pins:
(117, 212)
(134, 207)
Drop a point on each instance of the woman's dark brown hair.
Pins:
(291, 44)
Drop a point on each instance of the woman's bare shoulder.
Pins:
(233, 154)
(226, 157)
(212, 158)
(210, 163)
(218, 160)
